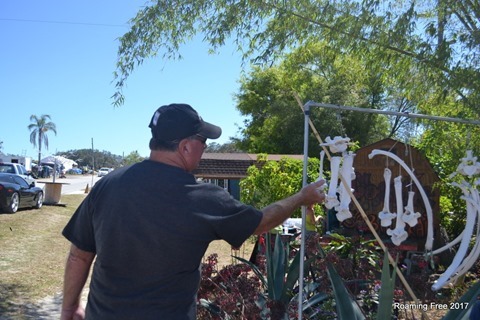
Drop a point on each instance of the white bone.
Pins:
(331, 199)
(462, 250)
(428, 207)
(398, 234)
(320, 171)
(410, 216)
(448, 245)
(338, 144)
(470, 260)
(348, 174)
(469, 165)
(385, 215)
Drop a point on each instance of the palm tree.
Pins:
(39, 129)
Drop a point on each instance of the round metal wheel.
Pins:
(14, 202)
(39, 202)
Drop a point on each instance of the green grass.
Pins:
(33, 252)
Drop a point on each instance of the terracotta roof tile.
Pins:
(230, 165)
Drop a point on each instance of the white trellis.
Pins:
(408, 216)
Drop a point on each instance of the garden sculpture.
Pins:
(399, 234)
(469, 169)
(339, 166)
(385, 215)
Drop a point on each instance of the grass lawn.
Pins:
(33, 253)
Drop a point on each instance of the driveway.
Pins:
(72, 184)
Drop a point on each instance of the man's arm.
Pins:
(279, 211)
(76, 273)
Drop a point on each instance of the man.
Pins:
(148, 226)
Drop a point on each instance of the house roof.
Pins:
(231, 165)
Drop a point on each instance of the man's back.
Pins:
(150, 226)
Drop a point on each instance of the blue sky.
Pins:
(58, 58)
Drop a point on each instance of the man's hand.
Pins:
(77, 313)
(313, 193)
(279, 211)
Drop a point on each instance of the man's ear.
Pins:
(184, 146)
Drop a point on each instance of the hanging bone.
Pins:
(331, 199)
(338, 144)
(463, 261)
(468, 166)
(385, 215)
(428, 207)
(348, 174)
(410, 216)
(398, 234)
(320, 171)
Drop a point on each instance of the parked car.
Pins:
(103, 172)
(18, 169)
(16, 192)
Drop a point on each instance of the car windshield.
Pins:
(6, 168)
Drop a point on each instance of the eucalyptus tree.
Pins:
(39, 128)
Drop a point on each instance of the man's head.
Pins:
(172, 123)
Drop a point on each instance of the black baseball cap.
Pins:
(178, 121)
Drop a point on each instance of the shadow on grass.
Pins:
(15, 304)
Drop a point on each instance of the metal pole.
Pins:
(304, 212)
(393, 113)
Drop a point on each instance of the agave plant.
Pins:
(279, 289)
(281, 277)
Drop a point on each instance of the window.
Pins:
(21, 182)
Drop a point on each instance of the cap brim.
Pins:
(210, 131)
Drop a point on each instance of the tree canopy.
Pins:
(440, 39)
(95, 159)
(274, 120)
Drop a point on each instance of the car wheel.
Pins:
(14, 202)
(39, 202)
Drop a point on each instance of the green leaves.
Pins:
(387, 290)
(346, 306)
(275, 180)
(399, 38)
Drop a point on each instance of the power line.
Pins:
(65, 22)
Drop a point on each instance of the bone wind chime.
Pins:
(467, 179)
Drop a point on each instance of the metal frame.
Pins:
(306, 110)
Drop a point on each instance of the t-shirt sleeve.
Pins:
(232, 220)
(79, 230)
(236, 228)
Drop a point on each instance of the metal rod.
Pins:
(304, 212)
(393, 113)
(355, 201)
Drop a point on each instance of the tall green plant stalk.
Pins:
(282, 275)
(387, 289)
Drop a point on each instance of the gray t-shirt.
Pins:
(150, 225)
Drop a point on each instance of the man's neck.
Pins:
(168, 157)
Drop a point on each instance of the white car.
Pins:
(18, 169)
(103, 172)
